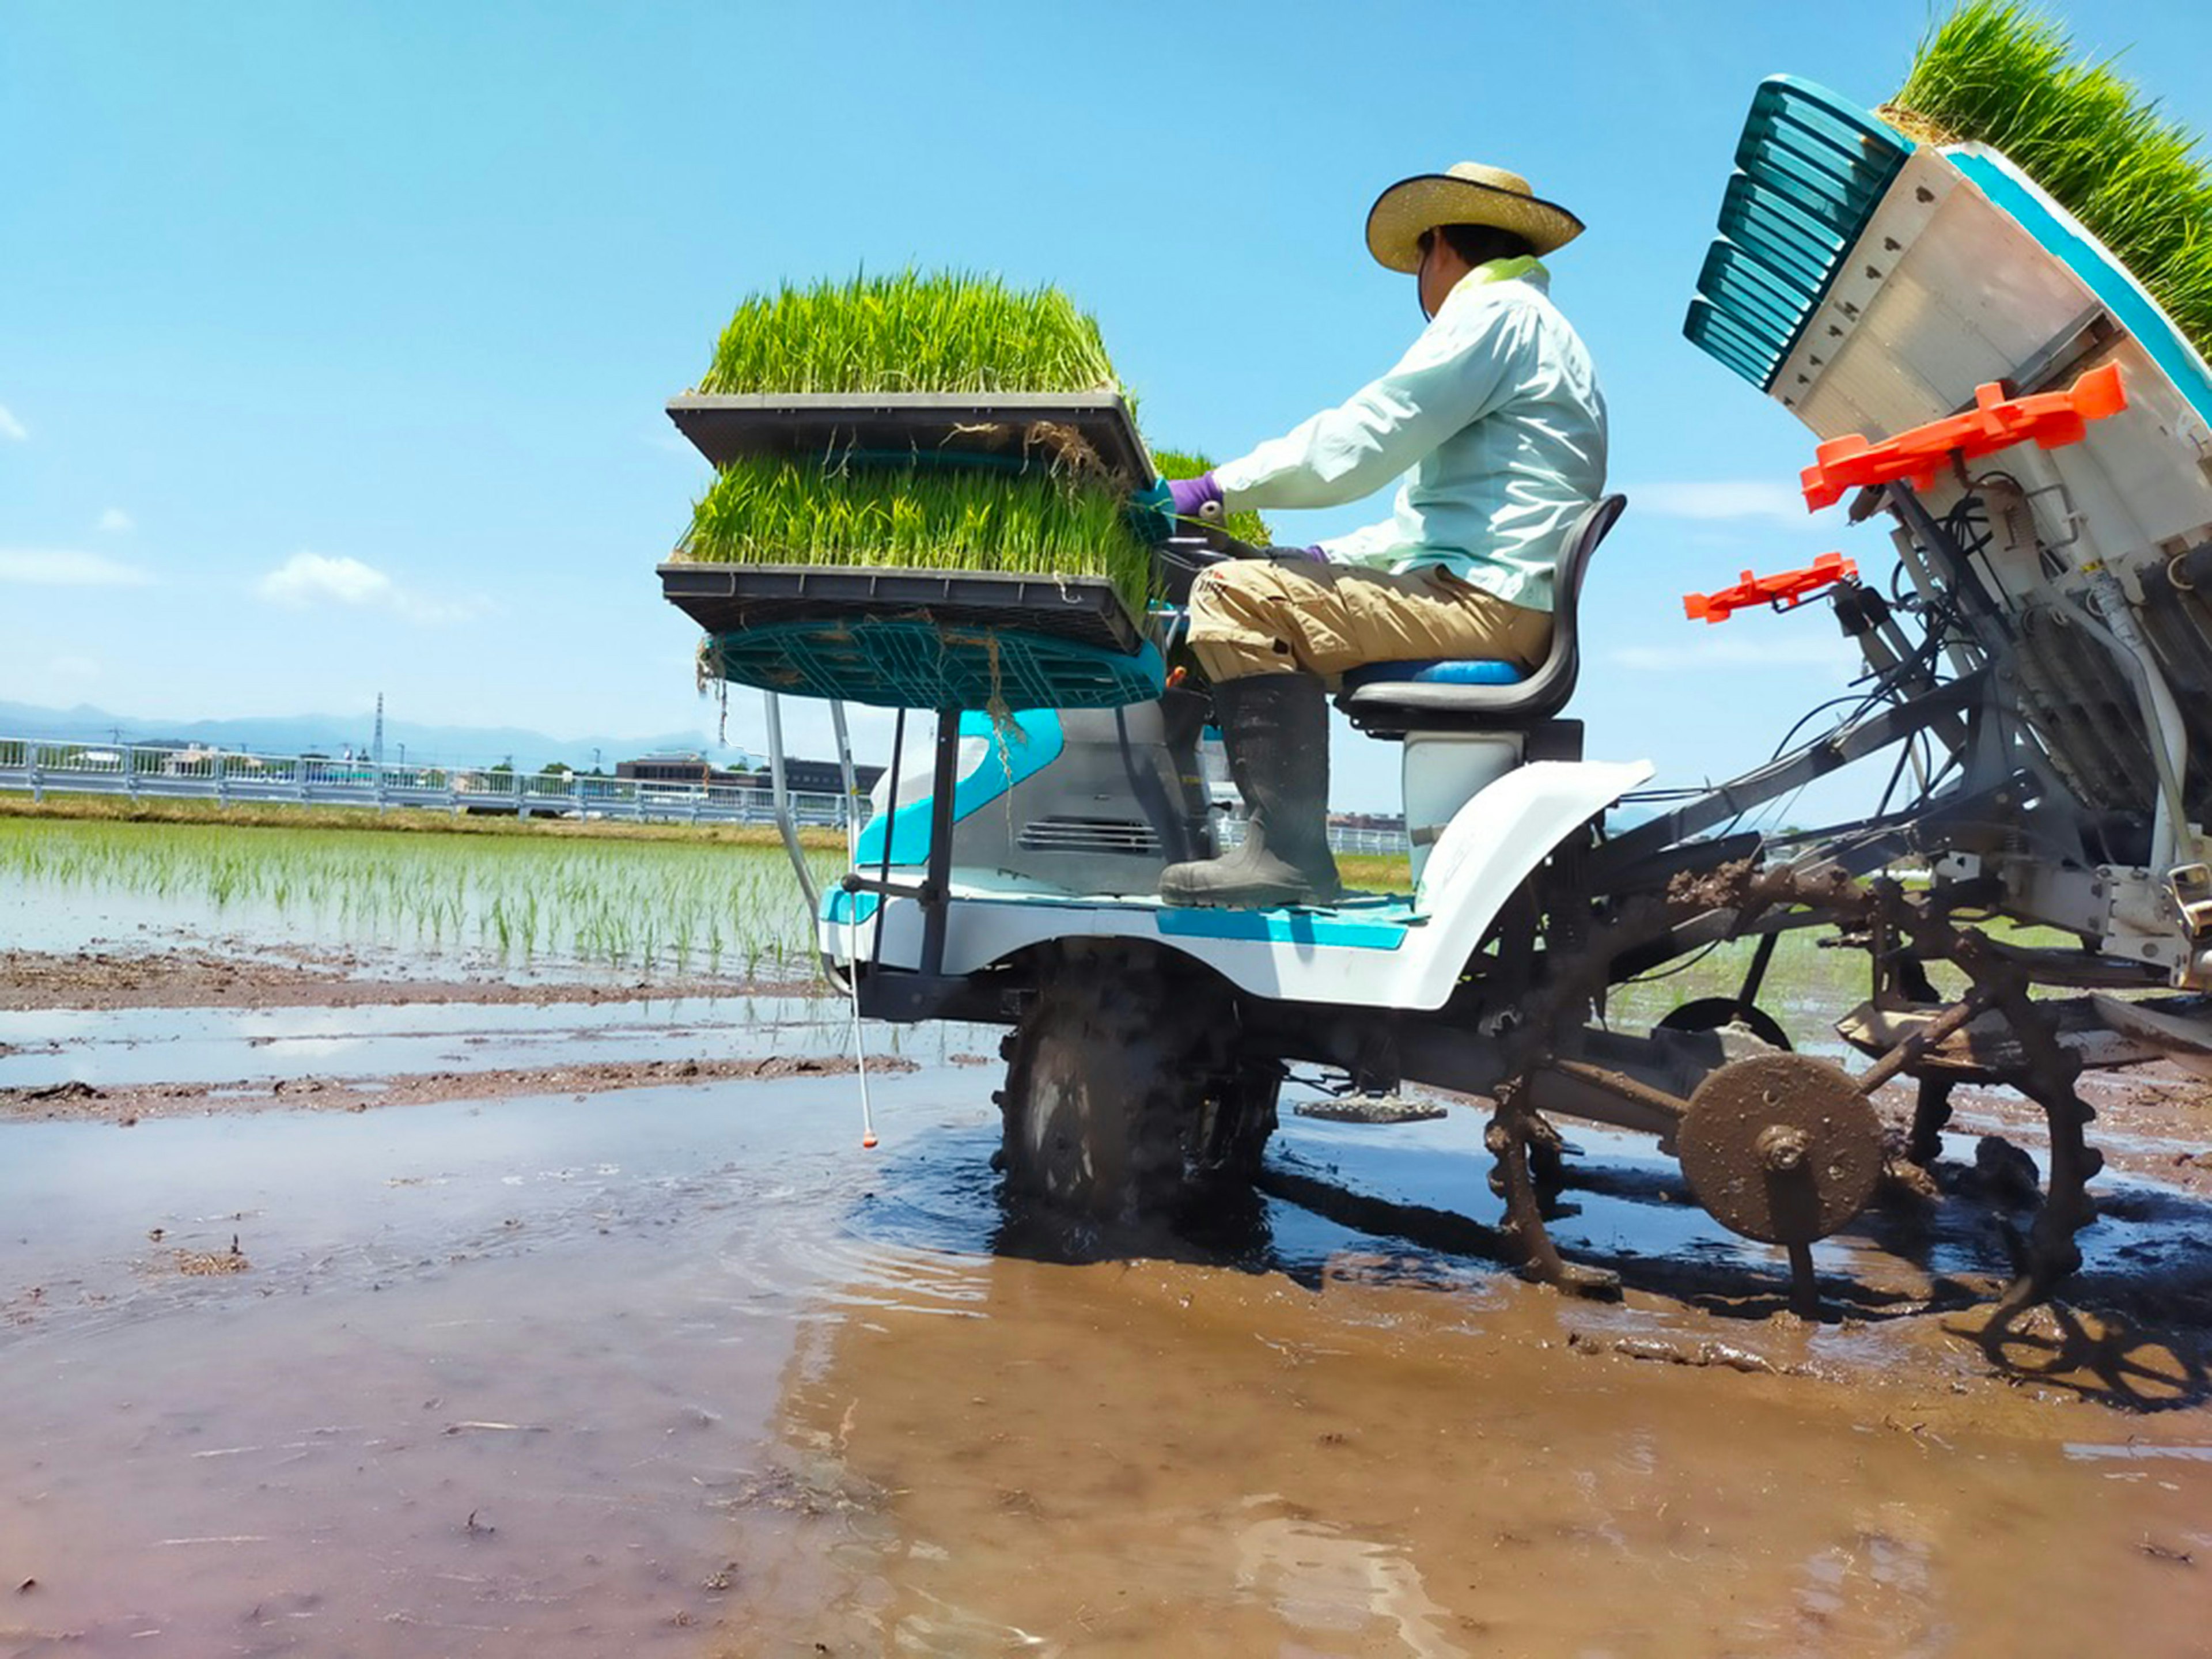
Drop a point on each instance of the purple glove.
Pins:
(1189, 494)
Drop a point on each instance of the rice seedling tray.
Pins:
(727, 598)
(918, 662)
(1005, 426)
(918, 639)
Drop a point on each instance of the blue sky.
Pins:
(334, 339)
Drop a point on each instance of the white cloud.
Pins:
(1768, 500)
(11, 427)
(116, 522)
(59, 566)
(308, 580)
(1824, 655)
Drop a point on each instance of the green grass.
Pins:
(1245, 527)
(774, 512)
(2005, 74)
(634, 906)
(913, 331)
(1376, 872)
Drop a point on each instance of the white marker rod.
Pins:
(853, 923)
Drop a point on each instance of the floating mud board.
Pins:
(918, 639)
(1008, 427)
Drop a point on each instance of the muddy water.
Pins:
(680, 1371)
(1155, 1459)
(212, 1045)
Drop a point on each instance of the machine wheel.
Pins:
(1783, 1148)
(1107, 1075)
(1711, 1013)
(1238, 1118)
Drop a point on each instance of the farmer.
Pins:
(1495, 419)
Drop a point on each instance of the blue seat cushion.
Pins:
(1467, 671)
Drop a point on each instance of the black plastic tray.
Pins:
(724, 598)
(725, 427)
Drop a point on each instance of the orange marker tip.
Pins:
(867, 1143)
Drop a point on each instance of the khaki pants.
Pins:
(1258, 617)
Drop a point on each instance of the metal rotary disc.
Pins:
(1781, 1148)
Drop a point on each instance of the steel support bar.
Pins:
(1569, 1088)
(937, 903)
(1780, 777)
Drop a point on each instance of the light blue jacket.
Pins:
(1495, 419)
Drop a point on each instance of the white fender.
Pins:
(1378, 956)
(1487, 851)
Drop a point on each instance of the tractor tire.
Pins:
(1239, 1116)
(1109, 1076)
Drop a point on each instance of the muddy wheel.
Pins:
(1107, 1077)
(1236, 1122)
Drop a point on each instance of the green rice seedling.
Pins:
(1245, 527)
(772, 512)
(911, 331)
(2002, 74)
(586, 902)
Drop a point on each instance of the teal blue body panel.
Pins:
(1381, 926)
(1811, 168)
(1030, 741)
(839, 906)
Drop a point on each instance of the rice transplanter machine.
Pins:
(1980, 373)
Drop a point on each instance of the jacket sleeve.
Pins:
(1370, 545)
(1452, 376)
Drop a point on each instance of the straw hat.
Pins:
(1469, 194)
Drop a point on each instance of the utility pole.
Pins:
(377, 746)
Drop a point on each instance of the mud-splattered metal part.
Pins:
(1783, 1148)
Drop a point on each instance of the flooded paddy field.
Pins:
(373, 1296)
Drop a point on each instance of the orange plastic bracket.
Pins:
(2052, 419)
(1783, 592)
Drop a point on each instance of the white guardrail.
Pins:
(231, 775)
(225, 776)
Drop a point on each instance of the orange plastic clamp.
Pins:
(2053, 419)
(1785, 593)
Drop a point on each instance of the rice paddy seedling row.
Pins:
(2000, 73)
(774, 511)
(911, 331)
(636, 906)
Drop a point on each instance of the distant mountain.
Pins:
(332, 734)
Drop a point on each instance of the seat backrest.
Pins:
(1384, 705)
(1554, 683)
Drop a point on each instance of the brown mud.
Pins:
(125, 1105)
(645, 1357)
(1150, 1458)
(192, 979)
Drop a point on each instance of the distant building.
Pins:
(696, 771)
(817, 777)
(672, 767)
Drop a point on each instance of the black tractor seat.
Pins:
(1389, 699)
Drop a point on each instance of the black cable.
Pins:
(1682, 967)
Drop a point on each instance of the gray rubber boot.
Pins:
(1275, 728)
